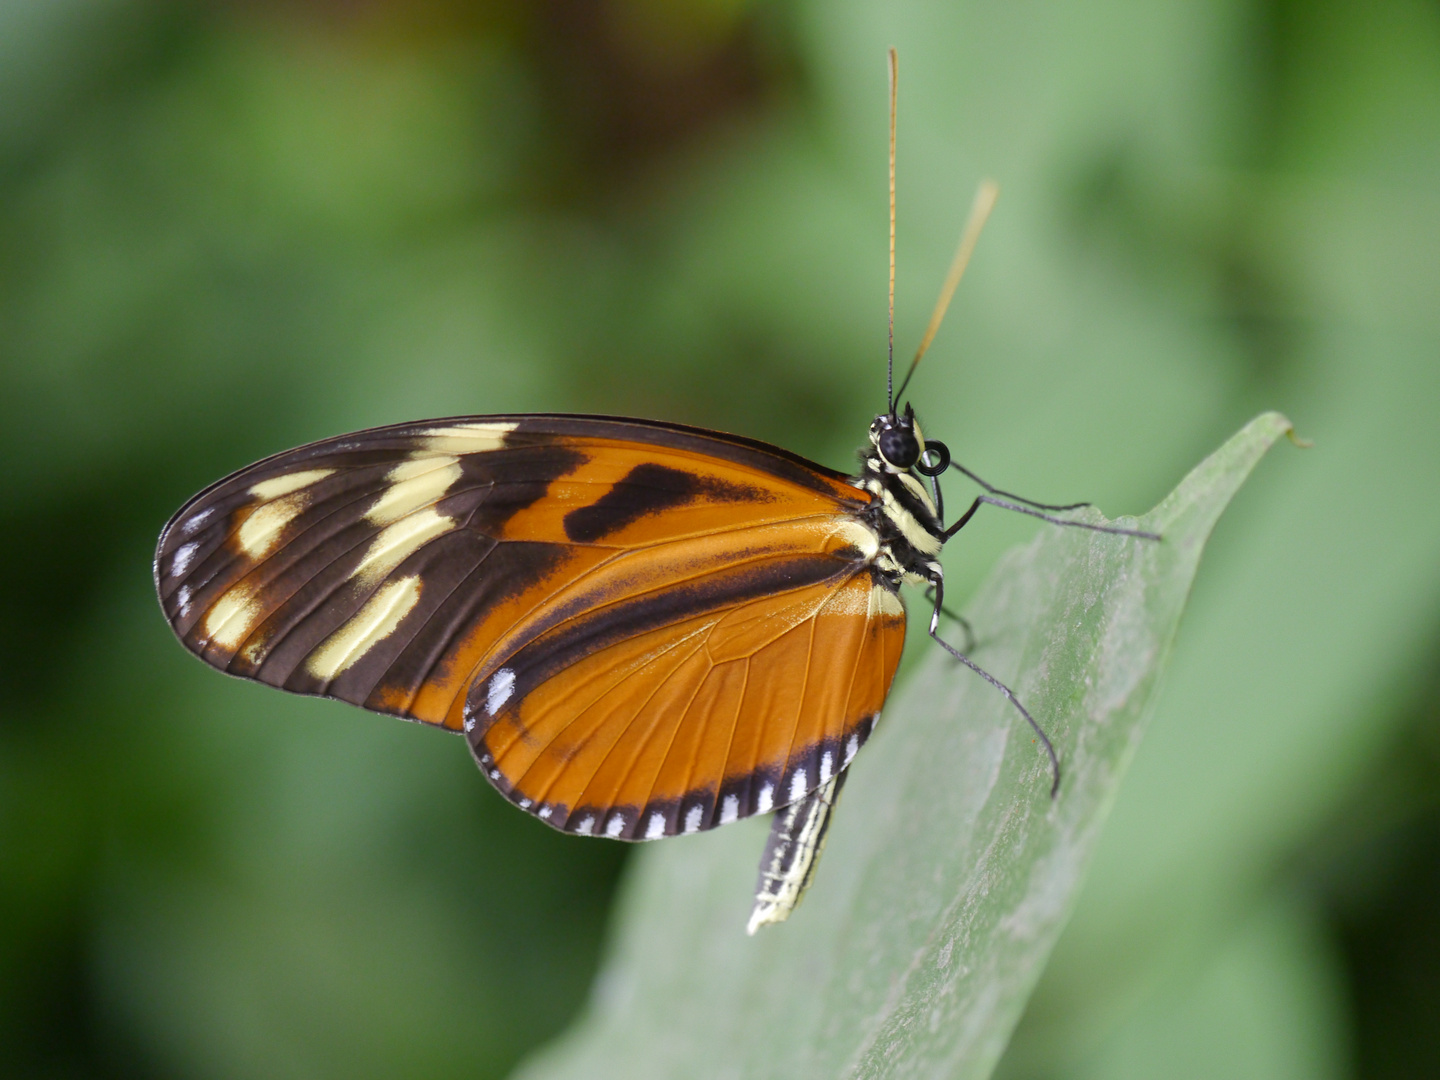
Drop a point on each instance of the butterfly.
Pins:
(641, 629)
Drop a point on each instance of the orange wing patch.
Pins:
(699, 722)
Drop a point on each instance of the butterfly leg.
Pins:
(992, 490)
(939, 498)
(969, 645)
(1009, 695)
(964, 518)
(1115, 529)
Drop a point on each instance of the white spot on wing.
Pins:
(183, 599)
(190, 526)
(766, 799)
(851, 745)
(799, 783)
(284, 485)
(544, 812)
(827, 766)
(183, 557)
(502, 685)
(417, 482)
(371, 624)
(656, 828)
(585, 825)
(692, 818)
(729, 809)
(616, 825)
(524, 804)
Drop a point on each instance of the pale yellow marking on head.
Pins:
(261, 530)
(232, 617)
(414, 483)
(284, 485)
(373, 623)
(397, 542)
(467, 438)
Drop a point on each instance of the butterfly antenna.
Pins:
(985, 198)
(890, 365)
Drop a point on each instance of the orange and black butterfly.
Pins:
(640, 629)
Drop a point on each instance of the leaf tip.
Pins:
(1281, 424)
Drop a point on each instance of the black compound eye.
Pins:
(899, 447)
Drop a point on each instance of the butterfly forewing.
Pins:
(643, 628)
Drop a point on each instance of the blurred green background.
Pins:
(229, 228)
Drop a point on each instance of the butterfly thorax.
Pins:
(902, 514)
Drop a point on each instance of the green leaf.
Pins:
(949, 872)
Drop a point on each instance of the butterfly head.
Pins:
(897, 439)
(901, 447)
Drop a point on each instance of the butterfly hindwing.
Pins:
(581, 593)
(714, 715)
